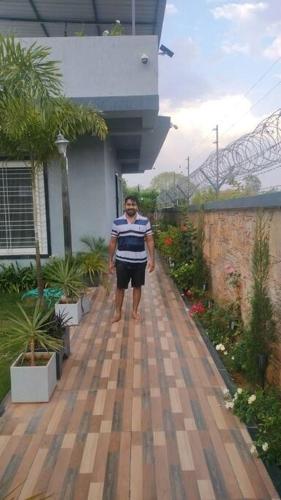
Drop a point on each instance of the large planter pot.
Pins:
(33, 384)
(59, 360)
(72, 311)
(66, 343)
(85, 304)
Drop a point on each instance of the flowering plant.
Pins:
(188, 293)
(168, 241)
(171, 241)
(183, 275)
(263, 409)
(197, 308)
(216, 321)
(233, 277)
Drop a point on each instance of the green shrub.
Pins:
(176, 243)
(217, 321)
(261, 332)
(184, 275)
(66, 275)
(262, 409)
(238, 355)
(201, 272)
(96, 245)
(16, 279)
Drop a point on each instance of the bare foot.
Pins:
(136, 316)
(116, 318)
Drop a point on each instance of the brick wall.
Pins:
(229, 238)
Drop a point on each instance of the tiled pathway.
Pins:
(138, 414)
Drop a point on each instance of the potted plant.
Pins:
(33, 373)
(67, 275)
(58, 329)
(94, 260)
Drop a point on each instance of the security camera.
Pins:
(144, 59)
(165, 51)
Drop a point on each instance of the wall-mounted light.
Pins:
(61, 143)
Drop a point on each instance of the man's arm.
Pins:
(150, 246)
(111, 251)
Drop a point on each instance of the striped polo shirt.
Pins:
(130, 244)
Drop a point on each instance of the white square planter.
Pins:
(86, 304)
(33, 384)
(73, 312)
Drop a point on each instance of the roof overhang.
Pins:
(135, 129)
(138, 148)
(36, 18)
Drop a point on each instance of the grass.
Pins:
(8, 306)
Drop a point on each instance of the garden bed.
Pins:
(236, 347)
(230, 381)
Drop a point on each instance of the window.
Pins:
(16, 210)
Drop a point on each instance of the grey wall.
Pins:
(105, 66)
(92, 168)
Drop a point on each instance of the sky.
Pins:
(226, 71)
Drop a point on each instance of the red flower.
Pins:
(197, 308)
(168, 241)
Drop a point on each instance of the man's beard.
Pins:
(131, 211)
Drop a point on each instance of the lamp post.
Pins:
(62, 143)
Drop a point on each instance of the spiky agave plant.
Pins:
(29, 331)
(67, 275)
(93, 244)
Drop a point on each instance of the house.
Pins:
(118, 75)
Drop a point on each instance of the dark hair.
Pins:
(132, 198)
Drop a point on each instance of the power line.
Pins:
(245, 95)
(253, 106)
(262, 76)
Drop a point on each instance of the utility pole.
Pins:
(188, 179)
(216, 129)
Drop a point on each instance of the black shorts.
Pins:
(126, 272)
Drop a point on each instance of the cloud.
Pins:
(171, 9)
(237, 11)
(230, 48)
(274, 50)
(254, 25)
(196, 120)
(195, 136)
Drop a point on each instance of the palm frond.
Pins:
(28, 71)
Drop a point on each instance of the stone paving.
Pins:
(138, 414)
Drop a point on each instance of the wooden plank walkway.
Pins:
(139, 414)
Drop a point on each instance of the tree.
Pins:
(33, 111)
(146, 198)
(252, 184)
(208, 194)
(167, 180)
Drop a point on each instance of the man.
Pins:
(130, 233)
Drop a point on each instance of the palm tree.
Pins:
(33, 111)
